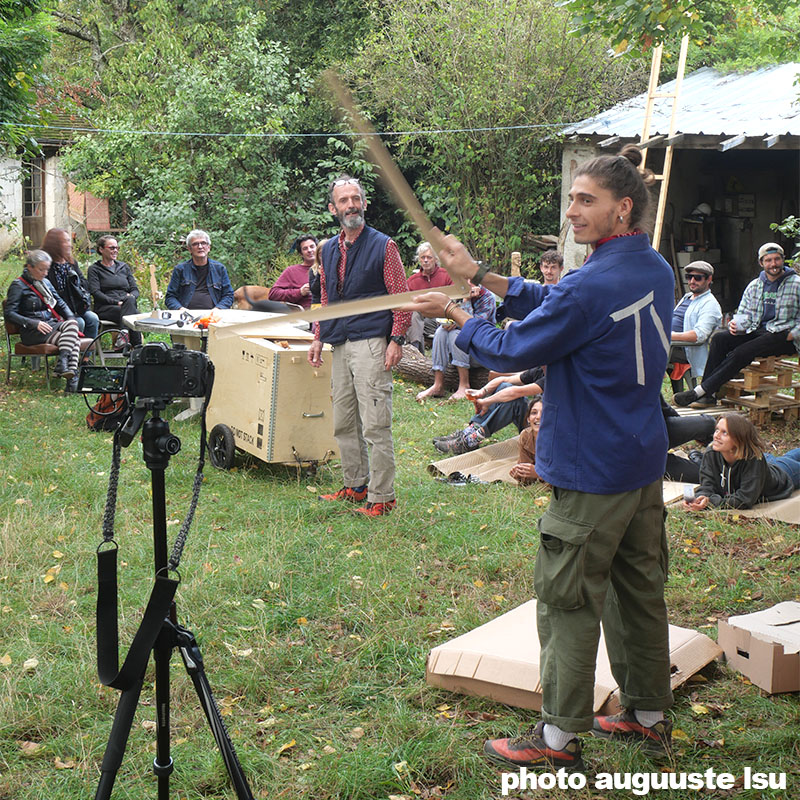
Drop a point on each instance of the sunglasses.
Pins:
(694, 276)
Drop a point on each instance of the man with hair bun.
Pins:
(603, 332)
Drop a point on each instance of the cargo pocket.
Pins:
(558, 575)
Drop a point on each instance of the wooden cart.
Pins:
(268, 400)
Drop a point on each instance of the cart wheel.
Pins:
(221, 447)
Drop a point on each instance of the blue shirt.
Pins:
(603, 331)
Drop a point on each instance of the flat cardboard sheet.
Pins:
(787, 510)
(490, 464)
(500, 660)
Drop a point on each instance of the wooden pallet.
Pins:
(766, 389)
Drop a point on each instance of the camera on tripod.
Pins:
(153, 371)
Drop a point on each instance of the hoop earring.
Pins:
(621, 218)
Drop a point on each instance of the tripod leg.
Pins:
(117, 740)
(193, 660)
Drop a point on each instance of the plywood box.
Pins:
(276, 404)
(765, 646)
(500, 660)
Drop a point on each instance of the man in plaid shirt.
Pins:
(767, 323)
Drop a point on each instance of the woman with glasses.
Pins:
(199, 282)
(113, 286)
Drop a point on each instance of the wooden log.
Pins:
(416, 367)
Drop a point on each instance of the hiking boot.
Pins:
(531, 751)
(449, 437)
(657, 739)
(377, 509)
(684, 398)
(352, 494)
(462, 443)
(72, 385)
(706, 401)
(62, 369)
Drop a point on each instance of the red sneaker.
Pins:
(377, 509)
(352, 494)
(656, 739)
(531, 751)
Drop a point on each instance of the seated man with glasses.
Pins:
(199, 282)
(767, 323)
(695, 318)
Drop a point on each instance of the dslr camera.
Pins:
(153, 371)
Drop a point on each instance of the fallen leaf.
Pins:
(5, 660)
(30, 664)
(149, 725)
(329, 750)
(698, 708)
(301, 621)
(284, 747)
(356, 733)
(312, 489)
(29, 748)
(68, 764)
(478, 583)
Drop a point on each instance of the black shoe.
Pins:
(449, 437)
(684, 398)
(72, 385)
(696, 456)
(706, 401)
(62, 369)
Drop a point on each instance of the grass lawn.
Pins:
(315, 624)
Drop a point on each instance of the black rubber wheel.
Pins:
(221, 447)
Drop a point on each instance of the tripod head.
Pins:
(157, 441)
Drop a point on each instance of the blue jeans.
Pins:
(89, 324)
(789, 463)
(501, 414)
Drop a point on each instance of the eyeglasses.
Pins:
(110, 247)
(694, 276)
(346, 182)
(200, 244)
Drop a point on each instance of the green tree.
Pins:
(489, 69)
(24, 41)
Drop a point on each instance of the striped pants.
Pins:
(65, 337)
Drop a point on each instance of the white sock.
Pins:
(699, 391)
(555, 738)
(648, 718)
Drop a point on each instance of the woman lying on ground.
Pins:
(737, 473)
(525, 469)
(43, 317)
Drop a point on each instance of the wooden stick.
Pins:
(391, 177)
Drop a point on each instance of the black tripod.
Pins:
(159, 632)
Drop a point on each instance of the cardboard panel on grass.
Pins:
(500, 660)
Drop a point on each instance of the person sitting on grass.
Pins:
(481, 305)
(503, 400)
(525, 469)
(737, 473)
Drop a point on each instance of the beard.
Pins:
(352, 219)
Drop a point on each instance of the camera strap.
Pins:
(156, 612)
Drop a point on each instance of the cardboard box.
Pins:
(500, 660)
(765, 646)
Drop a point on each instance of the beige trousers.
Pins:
(362, 416)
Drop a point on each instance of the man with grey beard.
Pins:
(361, 262)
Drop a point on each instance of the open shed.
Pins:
(736, 149)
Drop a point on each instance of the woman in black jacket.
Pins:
(112, 285)
(68, 280)
(736, 473)
(35, 306)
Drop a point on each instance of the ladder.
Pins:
(652, 95)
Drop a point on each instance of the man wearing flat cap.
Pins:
(767, 323)
(696, 316)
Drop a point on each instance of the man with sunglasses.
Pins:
(361, 262)
(199, 282)
(767, 323)
(695, 318)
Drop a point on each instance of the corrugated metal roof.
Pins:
(765, 102)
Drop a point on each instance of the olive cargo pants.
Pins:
(602, 557)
